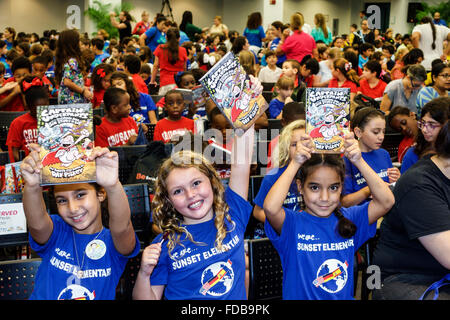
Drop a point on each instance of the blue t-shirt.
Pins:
(293, 197)
(379, 160)
(275, 108)
(409, 159)
(201, 271)
(273, 46)
(362, 61)
(8, 72)
(154, 38)
(292, 200)
(147, 104)
(255, 36)
(317, 262)
(99, 59)
(101, 264)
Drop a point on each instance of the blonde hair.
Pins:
(285, 83)
(247, 61)
(168, 219)
(334, 53)
(281, 156)
(297, 21)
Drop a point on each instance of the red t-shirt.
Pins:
(375, 92)
(165, 129)
(22, 131)
(98, 98)
(347, 84)
(404, 145)
(167, 70)
(16, 104)
(109, 134)
(298, 45)
(139, 83)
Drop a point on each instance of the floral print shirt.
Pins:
(72, 72)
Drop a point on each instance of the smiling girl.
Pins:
(81, 259)
(368, 125)
(317, 244)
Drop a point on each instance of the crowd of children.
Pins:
(304, 196)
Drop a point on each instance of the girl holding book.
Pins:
(81, 257)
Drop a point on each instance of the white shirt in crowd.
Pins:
(426, 40)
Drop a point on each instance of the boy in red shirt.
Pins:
(132, 66)
(175, 123)
(370, 83)
(117, 127)
(12, 100)
(23, 129)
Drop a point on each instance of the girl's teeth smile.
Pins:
(195, 205)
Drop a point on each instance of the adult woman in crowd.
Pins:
(413, 251)
(142, 25)
(123, 25)
(440, 76)
(404, 91)
(188, 27)
(299, 44)
(430, 39)
(321, 32)
(218, 27)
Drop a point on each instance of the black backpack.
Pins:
(147, 164)
(365, 101)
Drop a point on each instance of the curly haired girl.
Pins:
(204, 224)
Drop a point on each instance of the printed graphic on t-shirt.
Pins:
(76, 292)
(217, 279)
(332, 275)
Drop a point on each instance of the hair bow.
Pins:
(101, 73)
(348, 66)
(36, 82)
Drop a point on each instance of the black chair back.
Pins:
(127, 158)
(17, 278)
(266, 273)
(125, 287)
(139, 201)
(6, 117)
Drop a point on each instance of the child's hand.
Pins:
(351, 151)
(8, 86)
(393, 174)
(255, 86)
(88, 94)
(150, 257)
(31, 166)
(107, 166)
(303, 150)
(144, 127)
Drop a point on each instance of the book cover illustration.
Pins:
(229, 87)
(327, 118)
(65, 135)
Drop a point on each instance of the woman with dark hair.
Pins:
(404, 91)
(170, 58)
(254, 31)
(239, 44)
(123, 25)
(440, 76)
(430, 38)
(413, 251)
(188, 27)
(435, 114)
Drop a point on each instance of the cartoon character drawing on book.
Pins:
(327, 129)
(67, 150)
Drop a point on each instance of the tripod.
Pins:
(164, 3)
